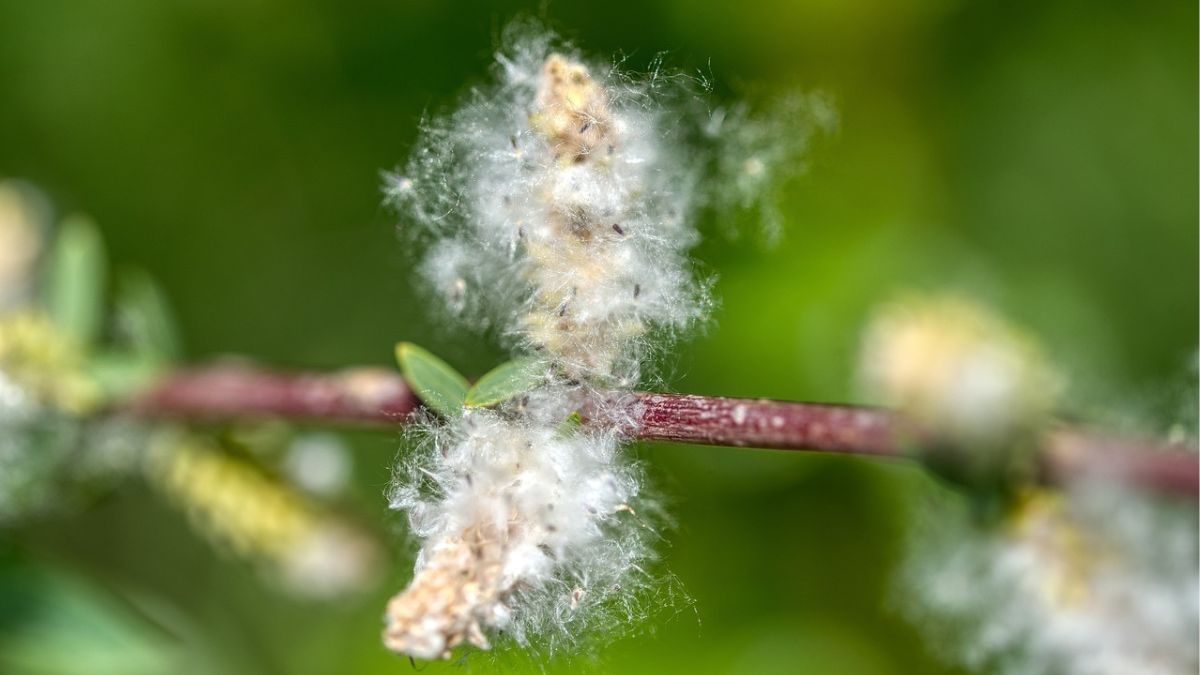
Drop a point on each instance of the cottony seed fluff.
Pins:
(557, 207)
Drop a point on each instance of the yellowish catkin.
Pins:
(232, 503)
(239, 508)
(37, 357)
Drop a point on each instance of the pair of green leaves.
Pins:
(445, 391)
(73, 294)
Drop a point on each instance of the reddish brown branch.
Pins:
(1164, 466)
(381, 397)
(763, 423)
(354, 396)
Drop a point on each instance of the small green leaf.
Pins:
(121, 374)
(75, 283)
(506, 381)
(570, 424)
(145, 316)
(438, 385)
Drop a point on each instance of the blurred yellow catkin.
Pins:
(240, 509)
(44, 363)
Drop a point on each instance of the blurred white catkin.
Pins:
(1091, 580)
(1096, 581)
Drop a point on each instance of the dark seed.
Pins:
(618, 230)
(637, 290)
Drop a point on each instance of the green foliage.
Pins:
(145, 316)
(506, 381)
(148, 340)
(570, 424)
(64, 626)
(120, 373)
(434, 381)
(74, 291)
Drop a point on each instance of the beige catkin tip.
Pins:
(572, 111)
(449, 601)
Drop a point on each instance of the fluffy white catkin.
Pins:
(1088, 580)
(524, 528)
(560, 203)
(1093, 581)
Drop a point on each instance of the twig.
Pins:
(763, 423)
(371, 396)
(376, 396)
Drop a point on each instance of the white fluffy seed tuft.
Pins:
(1092, 581)
(561, 201)
(523, 527)
(558, 205)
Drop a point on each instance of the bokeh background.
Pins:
(1039, 155)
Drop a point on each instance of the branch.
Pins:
(363, 396)
(380, 397)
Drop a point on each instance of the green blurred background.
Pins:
(1040, 155)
